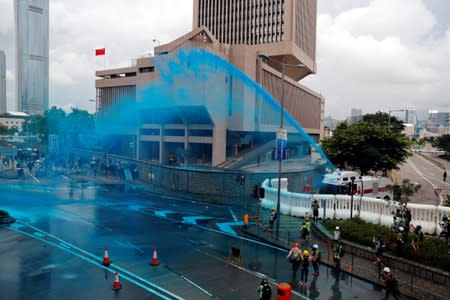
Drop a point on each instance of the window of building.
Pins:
(147, 69)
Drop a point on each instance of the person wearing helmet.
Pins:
(315, 258)
(399, 243)
(295, 257)
(305, 267)
(417, 238)
(391, 284)
(336, 235)
(264, 290)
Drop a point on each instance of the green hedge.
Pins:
(432, 252)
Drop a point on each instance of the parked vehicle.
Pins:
(340, 183)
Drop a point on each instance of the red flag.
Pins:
(100, 51)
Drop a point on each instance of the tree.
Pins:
(79, 122)
(443, 143)
(366, 147)
(407, 189)
(382, 119)
(3, 129)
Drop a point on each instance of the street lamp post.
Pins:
(280, 156)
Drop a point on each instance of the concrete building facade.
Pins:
(32, 64)
(238, 32)
(2, 82)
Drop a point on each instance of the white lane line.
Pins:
(251, 272)
(92, 262)
(232, 214)
(426, 179)
(100, 260)
(197, 286)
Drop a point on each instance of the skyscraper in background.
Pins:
(32, 41)
(2, 82)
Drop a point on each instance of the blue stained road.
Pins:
(55, 248)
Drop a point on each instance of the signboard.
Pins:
(281, 148)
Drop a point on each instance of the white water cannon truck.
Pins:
(340, 183)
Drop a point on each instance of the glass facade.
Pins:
(32, 36)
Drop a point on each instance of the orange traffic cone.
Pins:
(106, 260)
(116, 285)
(155, 261)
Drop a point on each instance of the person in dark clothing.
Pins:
(337, 256)
(444, 175)
(390, 283)
(315, 209)
(399, 243)
(305, 267)
(264, 290)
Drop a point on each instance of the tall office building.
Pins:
(2, 82)
(32, 41)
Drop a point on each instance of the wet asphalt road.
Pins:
(55, 249)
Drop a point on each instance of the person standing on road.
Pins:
(264, 290)
(315, 259)
(445, 175)
(337, 256)
(315, 209)
(336, 235)
(295, 257)
(272, 218)
(305, 267)
(391, 284)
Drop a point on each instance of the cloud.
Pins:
(381, 56)
(125, 29)
(6, 17)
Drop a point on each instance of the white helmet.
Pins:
(401, 229)
(315, 246)
(386, 270)
(337, 227)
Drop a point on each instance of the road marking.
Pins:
(197, 286)
(251, 272)
(193, 220)
(232, 214)
(39, 234)
(163, 213)
(226, 227)
(94, 257)
(426, 179)
(98, 265)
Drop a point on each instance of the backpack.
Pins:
(319, 255)
(296, 255)
(266, 292)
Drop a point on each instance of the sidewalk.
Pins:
(359, 266)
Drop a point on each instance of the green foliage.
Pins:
(3, 129)
(56, 121)
(432, 252)
(382, 119)
(366, 146)
(443, 143)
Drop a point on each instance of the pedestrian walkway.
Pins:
(359, 266)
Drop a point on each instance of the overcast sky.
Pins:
(376, 55)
